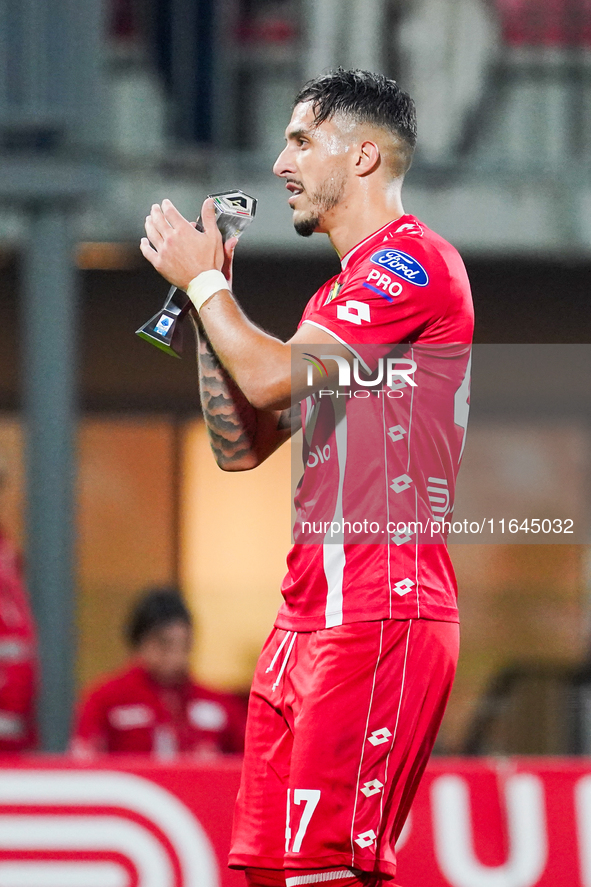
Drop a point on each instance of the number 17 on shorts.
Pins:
(310, 798)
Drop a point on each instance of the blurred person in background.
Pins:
(153, 706)
(18, 649)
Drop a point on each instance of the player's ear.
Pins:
(368, 158)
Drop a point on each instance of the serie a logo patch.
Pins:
(334, 291)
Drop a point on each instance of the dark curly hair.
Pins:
(155, 608)
(366, 98)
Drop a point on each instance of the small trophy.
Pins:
(234, 211)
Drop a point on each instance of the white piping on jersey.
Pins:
(333, 552)
(318, 877)
(342, 341)
(277, 652)
(373, 687)
(347, 257)
(284, 663)
(408, 443)
(387, 491)
(417, 557)
(395, 731)
(412, 401)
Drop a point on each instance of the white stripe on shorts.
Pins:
(318, 877)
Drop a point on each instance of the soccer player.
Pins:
(153, 706)
(352, 684)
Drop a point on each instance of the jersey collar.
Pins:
(376, 237)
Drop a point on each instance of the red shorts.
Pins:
(340, 727)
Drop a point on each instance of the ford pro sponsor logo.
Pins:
(402, 265)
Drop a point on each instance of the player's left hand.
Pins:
(176, 249)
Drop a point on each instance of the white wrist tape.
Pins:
(206, 285)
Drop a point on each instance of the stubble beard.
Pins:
(328, 195)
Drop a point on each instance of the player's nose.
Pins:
(283, 166)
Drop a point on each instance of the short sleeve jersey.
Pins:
(382, 449)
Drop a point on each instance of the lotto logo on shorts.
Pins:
(366, 839)
(396, 432)
(378, 737)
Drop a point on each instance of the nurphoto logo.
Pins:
(394, 371)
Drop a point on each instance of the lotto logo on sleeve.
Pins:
(354, 312)
(401, 264)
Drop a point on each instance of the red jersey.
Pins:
(131, 713)
(381, 453)
(18, 656)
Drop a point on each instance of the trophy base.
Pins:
(164, 331)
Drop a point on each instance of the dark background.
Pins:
(516, 301)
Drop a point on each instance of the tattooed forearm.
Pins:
(290, 420)
(230, 419)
